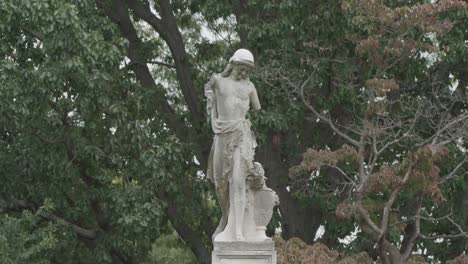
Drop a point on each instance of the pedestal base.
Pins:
(244, 252)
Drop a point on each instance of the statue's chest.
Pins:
(234, 90)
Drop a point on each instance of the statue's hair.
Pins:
(227, 71)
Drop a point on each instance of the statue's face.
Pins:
(241, 71)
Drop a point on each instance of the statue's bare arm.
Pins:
(254, 102)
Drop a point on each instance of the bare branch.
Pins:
(443, 236)
(453, 173)
(398, 138)
(366, 216)
(323, 118)
(344, 174)
(144, 12)
(439, 132)
(409, 246)
(391, 200)
(461, 232)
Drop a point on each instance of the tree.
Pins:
(82, 143)
(105, 141)
(390, 176)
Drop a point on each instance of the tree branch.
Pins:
(118, 14)
(81, 231)
(398, 138)
(169, 31)
(365, 215)
(323, 118)
(391, 200)
(343, 174)
(453, 173)
(417, 221)
(461, 232)
(438, 133)
(185, 231)
(385, 245)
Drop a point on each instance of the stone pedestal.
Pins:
(244, 252)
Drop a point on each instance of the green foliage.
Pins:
(22, 242)
(170, 249)
(79, 133)
(81, 138)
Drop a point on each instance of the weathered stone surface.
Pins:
(244, 245)
(244, 252)
(246, 203)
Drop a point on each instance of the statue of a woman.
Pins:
(230, 95)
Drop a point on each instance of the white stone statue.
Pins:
(246, 202)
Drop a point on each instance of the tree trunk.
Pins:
(118, 12)
(465, 198)
(298, 220)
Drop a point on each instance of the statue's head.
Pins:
(240, 65)
(243, 56)
(258, 168)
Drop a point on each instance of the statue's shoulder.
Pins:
(251, 85)
(213, 83)
(219, 78)
(216, 79)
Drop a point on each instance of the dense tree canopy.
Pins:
(104, 139)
